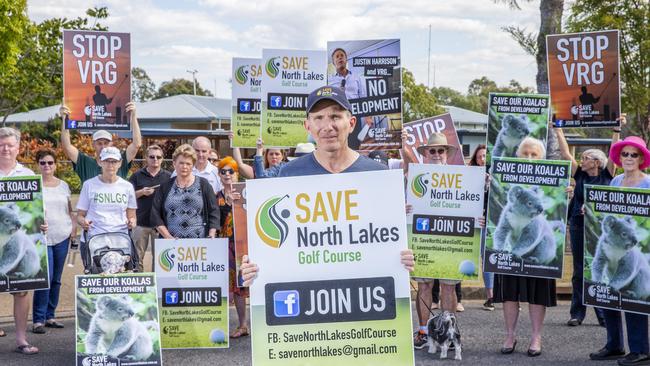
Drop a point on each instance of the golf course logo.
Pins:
(592, 291)
(419, 185)
(493, 258)
(166, 259)
(241, 75)
(270, 226)
(273, 67)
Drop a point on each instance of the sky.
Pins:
(170, 37)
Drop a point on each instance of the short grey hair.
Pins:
(598, 155)
(532, 141)
(9, 131)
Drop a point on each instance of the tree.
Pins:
(535, 44)
(418, 101)
(448, 96)
(142, 88)
(37, 78)
(632, 18)
(14, 20)
(180, 86)
(481, 89)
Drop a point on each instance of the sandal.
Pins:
(54, 324)
(240, 332)
(38, 328)
(26, 349)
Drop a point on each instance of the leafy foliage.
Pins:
(180, 86)
(142, 88)
(418, 102)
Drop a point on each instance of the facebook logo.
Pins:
(244, 106)
(171, 297)
(276, 101)
(286, 303)
(422, 224)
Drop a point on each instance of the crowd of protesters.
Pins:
(196, 200)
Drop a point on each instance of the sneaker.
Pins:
(606, 354)
(460, 308)
(419, 339)
(488, 305)
(634, 359)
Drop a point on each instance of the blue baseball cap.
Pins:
(332, 93)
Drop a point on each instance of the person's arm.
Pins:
(81, 220)
(616, 136)
(213, 211)
(136, 142)
(245, 170)
(162, 230)
(131, 220)
(66, 144)
(258, 166)
(155, 216)
(406, 157)
(73, 232)
(564, 149)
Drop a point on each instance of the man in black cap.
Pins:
(330, 122)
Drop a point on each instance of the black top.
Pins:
(210, 209)
(140, 179)
(582, 178)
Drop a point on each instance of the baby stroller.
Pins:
(109, 249)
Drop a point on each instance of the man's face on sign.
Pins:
(330, 124)
(340, 59)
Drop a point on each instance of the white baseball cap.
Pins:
(102, 134)
(110, 152)
(302, 149)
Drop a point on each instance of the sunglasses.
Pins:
(438, 151)
(213, 160)
(43, 163)
(227, 171)
(155, 157)
(631, 155)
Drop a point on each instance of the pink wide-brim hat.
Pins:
(634, 141)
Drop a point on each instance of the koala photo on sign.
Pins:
(526, 219)
(23, 248)
(117, 320)
(617, 254)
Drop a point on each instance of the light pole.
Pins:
(193, 72)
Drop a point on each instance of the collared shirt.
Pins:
(355, 87)
(211, 173)
(18, 171)
(140, 179)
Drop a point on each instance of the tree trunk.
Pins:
(550, 12)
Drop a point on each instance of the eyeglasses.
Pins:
(155, 157)
(587, 158)
(342, 83)
(438, 151)
(227, 171)
(631, 155)
(111, 162)
(213, 160)
(43, 163)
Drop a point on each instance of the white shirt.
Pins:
(211, 173)
(57, 215)
(18, 171)
(355, 86)
(106, 205)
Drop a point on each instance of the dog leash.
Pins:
(425, 304)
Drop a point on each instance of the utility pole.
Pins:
(429, 59)
(193, 72)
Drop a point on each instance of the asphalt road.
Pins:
(482, 333)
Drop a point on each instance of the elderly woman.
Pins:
(593, 169)
(61, 224)
(117, 211)
(539, 293)
(185, 206)
(633, 156)
(229, 174)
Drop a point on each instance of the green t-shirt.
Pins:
(87, 167)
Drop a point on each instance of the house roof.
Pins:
(462, 115)
(183, 107)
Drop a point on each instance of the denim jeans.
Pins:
(637, 331)
(46, 301)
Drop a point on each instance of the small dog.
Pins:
(443, 331)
